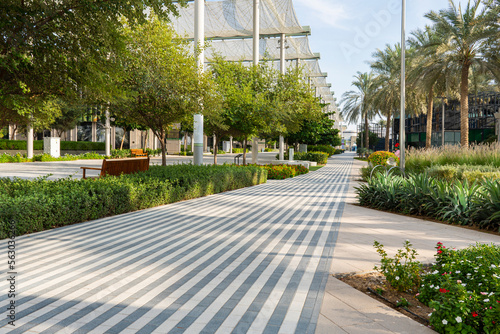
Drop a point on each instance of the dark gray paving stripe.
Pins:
(183, 299)
(130, 262)
(163, 278)
(225, 283)
(308, 320)
(221, 316)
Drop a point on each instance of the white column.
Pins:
(107, 134)
(281, 154)
(402, 135)
(199, 40)
(231, 144)
(29, 141)
(256, 34)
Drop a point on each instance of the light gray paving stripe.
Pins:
(263, 297)
(274, 220)
(121, 294)
(220, 287)
(64, 293)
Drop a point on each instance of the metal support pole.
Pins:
(442, 123)
(256, 35)
(107, 134)
(402, 135)
(199, 39)
(282, 69)
(29, 141)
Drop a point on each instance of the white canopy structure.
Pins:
(241, 49)
(233, 18)
(229, 32)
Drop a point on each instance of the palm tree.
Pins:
(461, 38)
(387, 96)
(430, 72)
(357, 103)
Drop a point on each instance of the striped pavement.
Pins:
(254, 260)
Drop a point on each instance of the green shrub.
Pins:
(382, 158)
(319, 157)
(463, 288)
(322, 148)
(277, 172)
(218, 152)
(267, 149)
(454, 202)
(65, 145)
(402, 271)
(240, 150)
(67, 201)
(339, 151)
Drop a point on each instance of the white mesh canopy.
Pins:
(233, 18)
(241, 49)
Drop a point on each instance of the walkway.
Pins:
(346, 310)
(255, 260)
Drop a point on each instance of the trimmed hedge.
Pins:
(65, 145)
(319, 157)
(279, 172)
(40, 204)
(322, 148)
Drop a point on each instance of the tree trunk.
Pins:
(430, 106)
(192, 143)
(163, 149)
(367, 133)
(244, 151)
(185, 141)
(123, 139)
(464, 106)
(146, 139)
(215, 150)
(388, 130)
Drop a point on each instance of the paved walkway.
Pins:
(255, 260)
(345, 309)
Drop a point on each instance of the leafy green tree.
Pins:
(57, 51)
(245, 98)
(318, 131)
(161, 79)
(462, 35)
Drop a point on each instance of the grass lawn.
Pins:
(313, 168)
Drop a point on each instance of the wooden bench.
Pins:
(117, 167)
(137, 152)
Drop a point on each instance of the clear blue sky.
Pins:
(346, 33)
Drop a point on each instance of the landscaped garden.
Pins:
(459, 293)
(451, 184)
(42, 204)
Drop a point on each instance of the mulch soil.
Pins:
(374, 285)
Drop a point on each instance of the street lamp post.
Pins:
(199, 39)
(402, 135)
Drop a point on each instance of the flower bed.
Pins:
(280, 172)
(464, 290)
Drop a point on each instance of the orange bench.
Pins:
(121, 166)
(138, 152)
